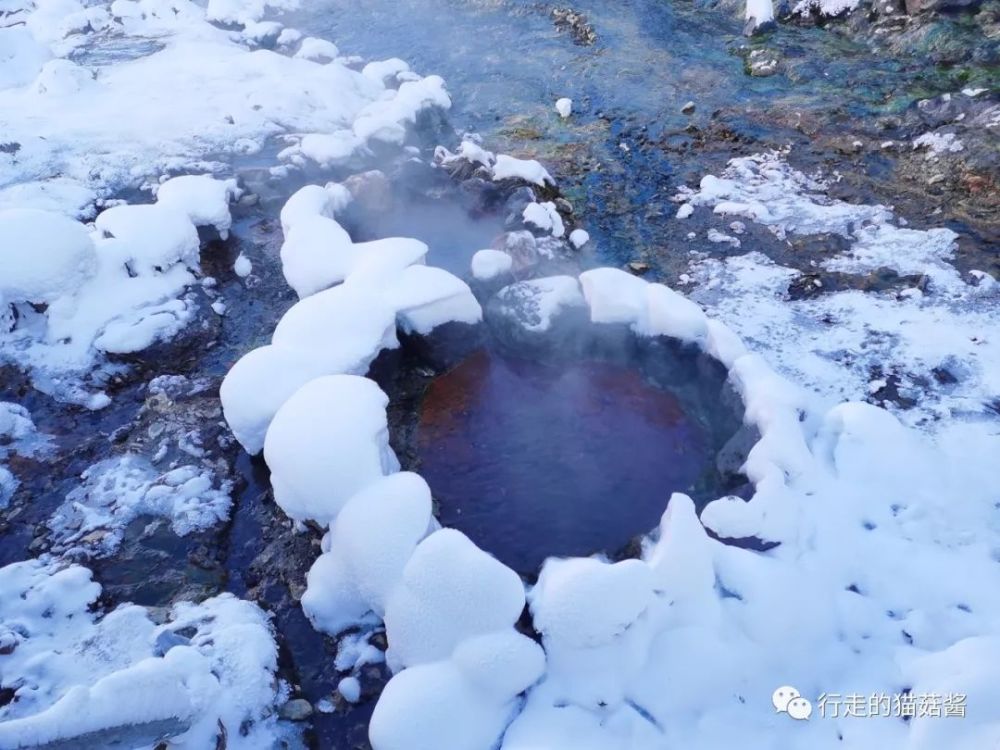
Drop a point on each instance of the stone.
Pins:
(637, 267)
(297, 709)
(688, 109)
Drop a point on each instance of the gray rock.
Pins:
(167, 640)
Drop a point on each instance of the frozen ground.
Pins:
(874, 490)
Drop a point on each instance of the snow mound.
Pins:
(425, 297)
(98, 680)
(327, 442)
(615, 296)
(544, 217)
(489, 264)
(451, 590)
(314, 200)
(318, 253)
(118, 490)
(463, 703)
(592, 618)
(204, 199)
(509, 168)
(371, 540)
(44, 255)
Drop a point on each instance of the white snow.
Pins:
(371, 540)
(534, 304)
(118, 490)
(44, 255)
(545, 217)
(242, 266)
(578, 238)
(508, 167)
(204, 199)
(489, 264)
(327, 442)
(828, 8)
(338, 330)
(461, 704)
(564, 107)
(469, 151)
(938, 143)
(78, 671)
(450, 591)
(350, 689)
(759, 12)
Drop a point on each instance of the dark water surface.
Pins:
(532, 461)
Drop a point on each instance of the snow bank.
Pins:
(100, 679)
(204, 93)
(327, 442)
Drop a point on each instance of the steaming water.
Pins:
(532, 461)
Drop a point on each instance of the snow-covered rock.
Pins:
(204, 199)
(489, 264)
(545, 217)
(326, 443)
(463, 703)
(451, 590)
(93, 680)
(508, 167)
(534, 304)
(370, 542)
(44, 255)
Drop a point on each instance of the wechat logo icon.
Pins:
(788, 700)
